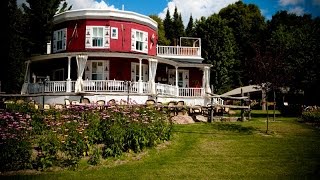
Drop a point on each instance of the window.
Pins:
(114, 33)
(139, 41)
(97, 37)
(183, 77)
(97, 70)
(59, 40)
(135, 72)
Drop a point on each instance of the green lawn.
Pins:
(217, 151)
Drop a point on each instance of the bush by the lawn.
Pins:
(36, 139)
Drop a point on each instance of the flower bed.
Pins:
(33, 139)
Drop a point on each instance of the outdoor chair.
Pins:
(112, 102)
(58, 106)
(46, 106)
(85, 100)
(197, 109)
(67, 103)
(101, 104)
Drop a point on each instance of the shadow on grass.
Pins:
(235, 128)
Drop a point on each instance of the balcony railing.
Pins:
(176, 51)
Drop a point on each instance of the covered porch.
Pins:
(122, 74)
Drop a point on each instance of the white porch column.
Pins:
(152, 74)
(207, 79)
(68, 89)
(177, 87)
(140, 89)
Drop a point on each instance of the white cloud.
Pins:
(195, 8)
(290, 2)
(297, 10)
(82, 4)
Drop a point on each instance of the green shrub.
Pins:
(311, 116)
(15, 155)
(94, 155)
(48, 146)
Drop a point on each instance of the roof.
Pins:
(245, 89)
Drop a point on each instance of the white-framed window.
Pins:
(139, 41)
(59, 40)
(58, 75)
(97, 70)
(135, 72)
(183, 77)
(114, 33)
(97, 37)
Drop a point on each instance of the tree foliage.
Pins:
(168, 26)
(162, 40)
(219, 49)
(39, 15)
(248, 27)
(13, 65)
(190, 27)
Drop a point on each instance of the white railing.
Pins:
(118, 86)
(104, 85)
(178, 51)
(55, 86)
(218, 101)
(166, 89)
(194, 92)
(146, 87)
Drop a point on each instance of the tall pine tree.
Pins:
(168, 26)
(190, 28)
(177, 26)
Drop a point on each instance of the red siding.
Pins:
(122, 44)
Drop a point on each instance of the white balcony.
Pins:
(189, 48)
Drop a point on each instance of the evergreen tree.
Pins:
(190, 28)
(168, 26)
(177, 26)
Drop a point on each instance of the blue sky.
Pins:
(198, 8)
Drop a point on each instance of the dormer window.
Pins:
(97, 37)
(59, 40)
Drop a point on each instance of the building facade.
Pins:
(113, 54)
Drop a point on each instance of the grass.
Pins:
(238, 150)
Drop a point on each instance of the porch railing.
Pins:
(178, 51)
(117, 86)
(166, 89)
(194, 92)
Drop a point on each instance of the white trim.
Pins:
(172, 77)
(142, 39)
(114, 35)
(105, 72)
(105, 14)
(62, 38)
(144, 73)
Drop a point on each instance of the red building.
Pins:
(113, 54)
